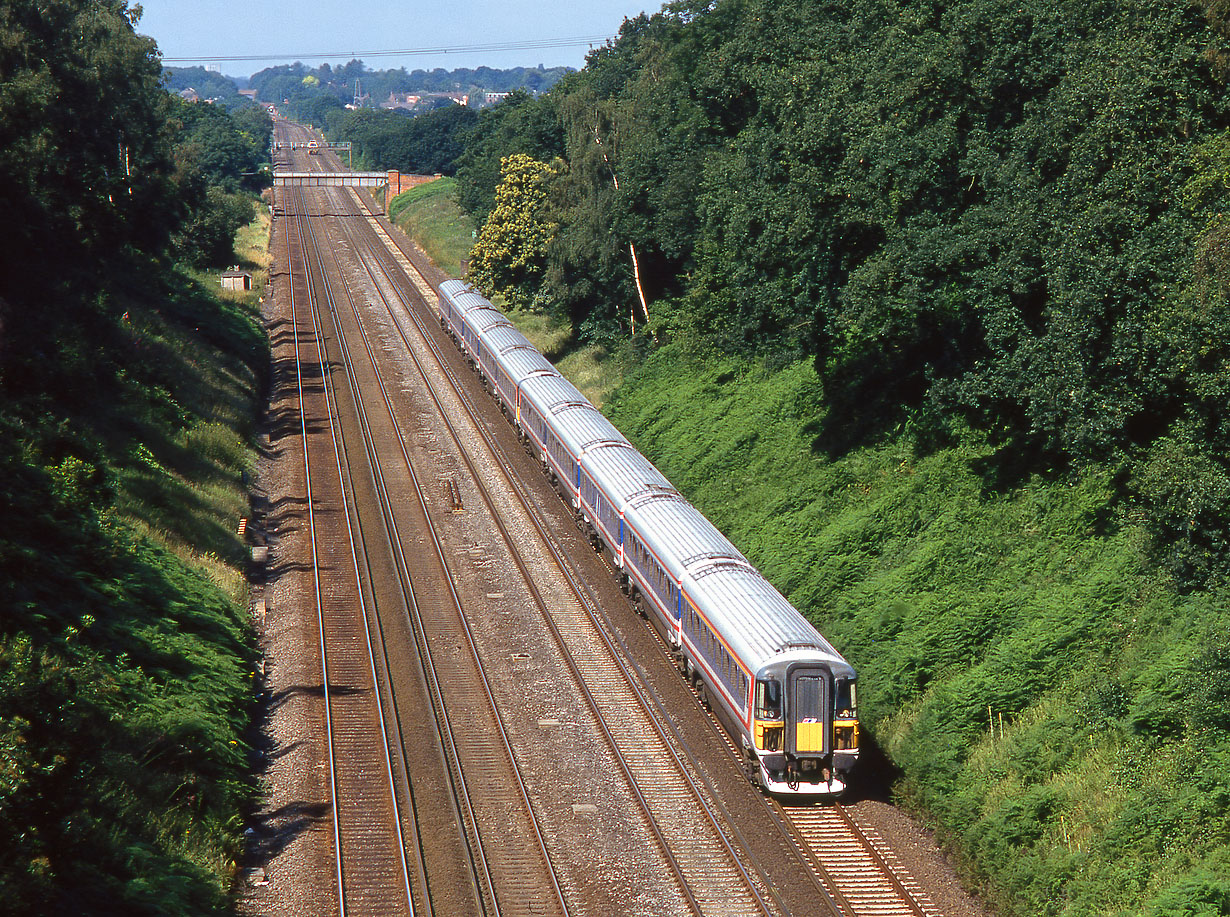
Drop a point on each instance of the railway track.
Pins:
(506, 877)
(858, 863)
(701, 869)
(709, 864)
(372, 874)
(509, 858)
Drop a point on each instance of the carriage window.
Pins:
(768, 700)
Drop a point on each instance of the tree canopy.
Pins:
(321, 95)
(209, 85)
(510, 254)
(1006, 214)
(85, 148)
(426, 144)
(100, 165)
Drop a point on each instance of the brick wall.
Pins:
(399, 183)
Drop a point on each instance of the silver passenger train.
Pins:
(782, 691)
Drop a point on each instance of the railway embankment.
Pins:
(129, 392)
(127, 663)
(1051, 703)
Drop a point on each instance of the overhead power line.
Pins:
(534, 45)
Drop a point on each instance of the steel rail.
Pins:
(420, 878)
(336, 435)
(587, 602)
(440, 550)
(897, 884)
(466, 816)
(320, 615)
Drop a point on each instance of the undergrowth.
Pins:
(126, 658)
(1054, 706)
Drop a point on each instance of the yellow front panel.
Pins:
(845, 735)
(809, 737)
(769, 735)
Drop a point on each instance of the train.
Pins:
(783, 693)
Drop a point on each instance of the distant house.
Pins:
(424, 99)
(486, 99)
(401, 100)
(189, 95)
(249, 93)
(236, 280)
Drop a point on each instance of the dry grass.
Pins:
(594, 371)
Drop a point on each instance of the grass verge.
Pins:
(429, 214)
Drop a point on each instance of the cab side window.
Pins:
(768, 700)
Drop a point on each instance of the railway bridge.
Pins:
(393, 182)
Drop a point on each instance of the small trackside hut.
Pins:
(236, 280)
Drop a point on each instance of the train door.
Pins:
(809, 701)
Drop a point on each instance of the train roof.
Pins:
(678, 534)
(486, 319)
(454, 288)
(520, 363)
(506, 338)
(552, 394)
(624, 474)
(583, 428)
(463, 297)
(756, 620)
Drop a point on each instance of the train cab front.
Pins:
(805, 730)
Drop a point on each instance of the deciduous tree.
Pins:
(509, 258)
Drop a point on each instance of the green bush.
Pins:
(1204, 895)
(208, 239)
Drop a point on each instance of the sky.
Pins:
(440, 33)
